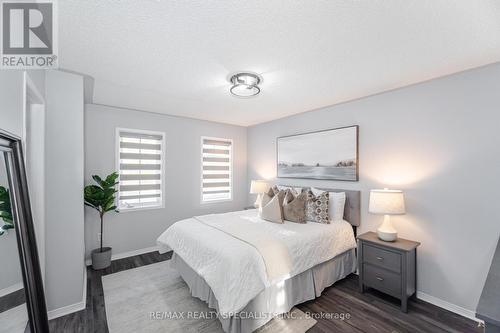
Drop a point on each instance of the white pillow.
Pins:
(284, 188)
(336, 203)
(336, 206)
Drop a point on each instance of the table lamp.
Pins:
(258, 187)
(387, 202)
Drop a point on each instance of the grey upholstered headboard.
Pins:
(352, 211)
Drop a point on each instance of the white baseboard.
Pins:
(84, 294)
(127, 254)
(56, 313)
(11, 289)
(448, 306)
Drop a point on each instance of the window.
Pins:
(140, 156)
(216, 173)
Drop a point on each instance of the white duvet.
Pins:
(234, 269)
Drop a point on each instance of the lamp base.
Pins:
(258, 201)
(387, 236)
(386, 231)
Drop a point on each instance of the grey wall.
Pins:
(129, 231)
(64, 243)
(34, 155)
(439, 142)
(11, 102)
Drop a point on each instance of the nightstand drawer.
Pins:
(382, 280)
(383, 258)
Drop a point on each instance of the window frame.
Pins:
(231, 159)
(162, 163)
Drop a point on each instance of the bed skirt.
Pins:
(276, 299)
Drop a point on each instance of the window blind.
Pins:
(216, 169)
(141, 169)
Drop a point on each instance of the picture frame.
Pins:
(11, 147)
(331, 154)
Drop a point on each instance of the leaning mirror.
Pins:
(22, 301)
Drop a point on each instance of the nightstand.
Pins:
(389, 267)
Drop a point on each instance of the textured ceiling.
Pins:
(174, 57)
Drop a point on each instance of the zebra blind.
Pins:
(141, 169)
(216, 169)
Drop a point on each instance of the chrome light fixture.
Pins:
(245, 84)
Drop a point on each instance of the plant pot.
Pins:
(101, 260)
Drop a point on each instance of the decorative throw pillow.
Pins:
(281, 198)
(270, 192)
(275, 189)
(336, 203)
(289, 196)
(272, 210)
(294, 210)
(265, 199)
(317, 207)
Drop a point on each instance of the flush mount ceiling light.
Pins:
(245, 84)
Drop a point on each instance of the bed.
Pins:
(250, 270)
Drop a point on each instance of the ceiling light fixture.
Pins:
(245, 84)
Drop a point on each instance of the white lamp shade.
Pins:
(258, 187)
(387, 202)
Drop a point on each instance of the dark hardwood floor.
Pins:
(374, 312)
(370, 312)
(12, 300)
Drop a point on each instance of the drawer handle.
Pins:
(380, 258)
(380, 279)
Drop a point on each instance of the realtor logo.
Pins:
(28, 35)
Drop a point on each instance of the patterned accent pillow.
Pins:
(317, 207)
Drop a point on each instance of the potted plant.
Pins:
(101, 197)
(5, 211)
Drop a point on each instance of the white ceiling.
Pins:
(174, 57)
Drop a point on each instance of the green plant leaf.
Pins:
(101, 197)
(5, 207)
(6, 216)
(111, 180)
(97, 179)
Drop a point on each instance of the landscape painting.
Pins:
(330, 155)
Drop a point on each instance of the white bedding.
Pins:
(274, 252)
(234, 269)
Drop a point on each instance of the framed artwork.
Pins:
(329, 154)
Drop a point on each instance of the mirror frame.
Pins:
(11, 147)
